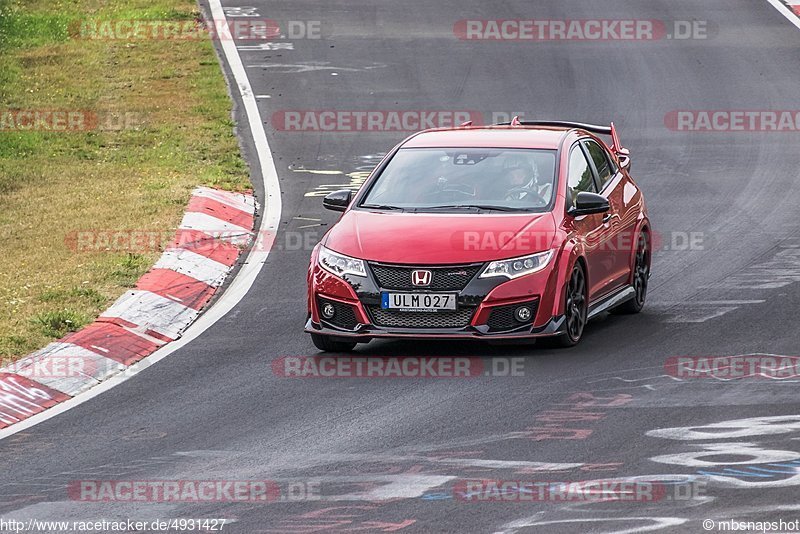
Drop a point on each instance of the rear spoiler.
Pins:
(611, 130)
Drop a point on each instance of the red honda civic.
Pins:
(511, 231)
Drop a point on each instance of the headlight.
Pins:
(518, 266)
(340, 264)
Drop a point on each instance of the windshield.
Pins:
(481, 179)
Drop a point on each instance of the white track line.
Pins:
(785, 11)
(252, 265)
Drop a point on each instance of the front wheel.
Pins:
(641, 274)
(329, 344)
(575, 308)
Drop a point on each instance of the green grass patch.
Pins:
(129, 268)
(58, 323)
(85, 294)
(164, 128)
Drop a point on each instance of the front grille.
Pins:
(345, 316)
(441, 319)
(449, 278)
(502, 317)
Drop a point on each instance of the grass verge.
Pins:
(163, 127)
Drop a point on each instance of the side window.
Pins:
(605, 171)
(579, 177)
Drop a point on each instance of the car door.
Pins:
(621, 218)
(590, 229)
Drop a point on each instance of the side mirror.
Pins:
(624, 158)
(338, 200)
(589, 203)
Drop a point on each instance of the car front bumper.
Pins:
(478, 300)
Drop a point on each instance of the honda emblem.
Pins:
(421, 278)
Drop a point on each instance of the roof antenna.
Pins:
(515, 121)
(468, 123)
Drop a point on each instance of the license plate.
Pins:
(427, 302)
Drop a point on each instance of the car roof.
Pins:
(489, 137)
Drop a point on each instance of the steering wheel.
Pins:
(513, 194)
(459, 191)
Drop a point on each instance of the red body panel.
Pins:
(446, 238)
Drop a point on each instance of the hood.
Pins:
(439, 238)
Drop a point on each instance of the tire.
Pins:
(576, 308)
(329, 344)
(641, 274)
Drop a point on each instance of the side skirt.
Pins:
(609, 301)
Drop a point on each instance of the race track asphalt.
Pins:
(392, 449)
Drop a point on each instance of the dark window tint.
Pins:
(579, 177)
(424, 178)
(601, 162)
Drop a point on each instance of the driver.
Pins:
(521, 179)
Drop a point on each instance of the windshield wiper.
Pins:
(473, 207)
(381, 207)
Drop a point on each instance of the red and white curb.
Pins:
(789, 9)
(165, 301)
(794, 6)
